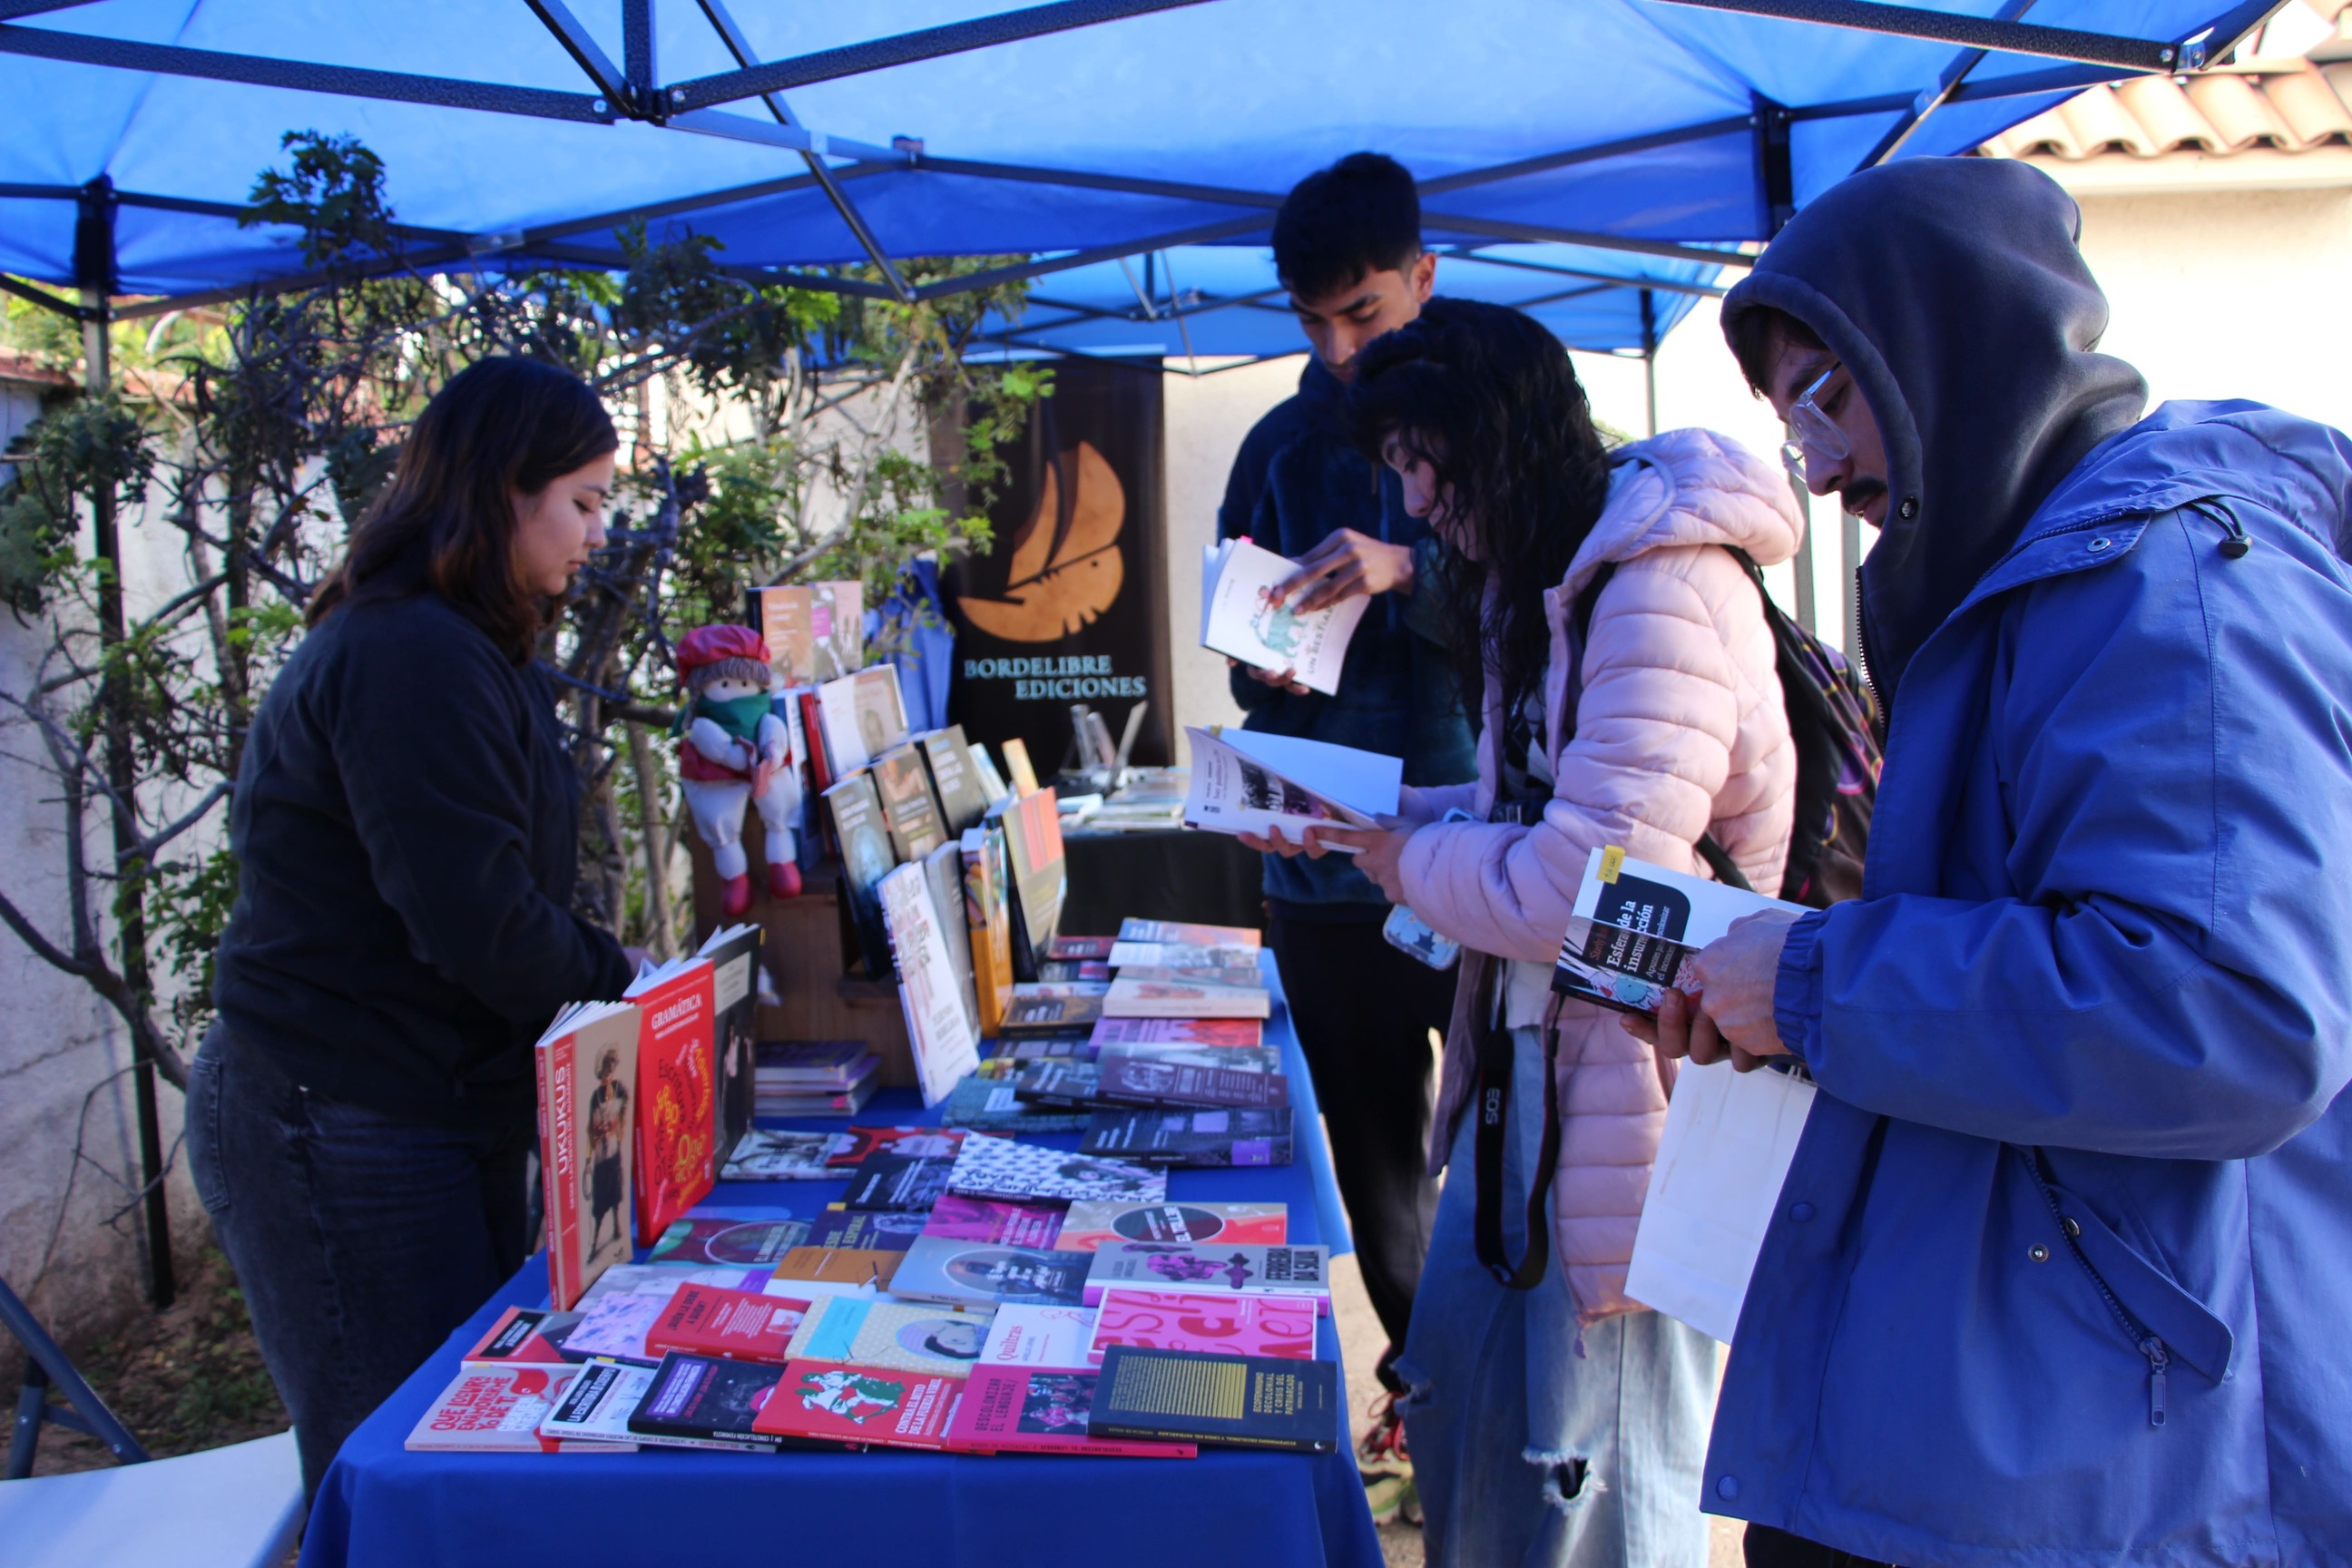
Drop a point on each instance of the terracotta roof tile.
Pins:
(2293, 109)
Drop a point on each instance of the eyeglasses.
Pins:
(1813, 437)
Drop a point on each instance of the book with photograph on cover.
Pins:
(764, 1154)
(1225, 1401)
(734, 956)
(992, 1167)
(980, 1104)
(1036, 1410)
(866, 859)
(710, 1401)
(1636, 927)
(1197, 1138)
(917, 825)
(1229, 1269)
(964, 795)
(911, 1336)
(1250, 781)
(593, 1414)
(586, 1065)
(710, 1239)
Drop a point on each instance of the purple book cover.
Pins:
(1137, 1081)
(997, 1220)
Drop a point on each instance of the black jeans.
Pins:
(1769, 1547)
(360, 1240)
(1363, 1010)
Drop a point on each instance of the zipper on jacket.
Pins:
(2160, 1358)
(1885, 717)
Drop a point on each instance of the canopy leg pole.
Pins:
(1650, 358)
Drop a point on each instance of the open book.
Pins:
(1242, 617)
(1246, 782)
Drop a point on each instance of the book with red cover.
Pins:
(1136, 929)
(1079, 947)
(586, 1064)
(832, 1401)
(1269, 1325)
(1040, 1410)
(677, 1093)
(523, 1336)
(1178, 1032)
(864, 1140)
(733, 1325)
(494, 1412)
(1089, 1224)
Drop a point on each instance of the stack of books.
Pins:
(814, 1078)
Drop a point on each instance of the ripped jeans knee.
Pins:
(1568, 1479)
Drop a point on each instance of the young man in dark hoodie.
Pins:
(2058, 1273)
(1347, 245)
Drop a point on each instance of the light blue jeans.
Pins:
(1534, 1446)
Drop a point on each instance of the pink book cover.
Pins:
(1225, 1325)
(996, 1221)
(1178, 1032)
(1039, 1410)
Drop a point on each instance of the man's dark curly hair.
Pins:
(1488, 398)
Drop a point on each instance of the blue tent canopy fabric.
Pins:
(1643, 133)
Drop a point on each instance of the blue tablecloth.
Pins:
(383, 1507)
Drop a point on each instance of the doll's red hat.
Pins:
(708, 644)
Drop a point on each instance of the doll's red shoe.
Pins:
(735, 896)
(783, 880)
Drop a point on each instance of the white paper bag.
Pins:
(1728, 1141)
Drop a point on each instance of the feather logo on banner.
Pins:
(1066, 570)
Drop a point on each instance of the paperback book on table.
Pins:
(733, 953)
(989, 1252)
(866, 859)
(710, 1240)
(1038, 1012)
(732, 1325)
(1261, 1060)
(963, 793)
(621, 1308)
(1226, 1401)
(1244, 780)
(907, 1336)
(764, 1154)
(906, 1183)
(1242, 1325)
(1231, 1270)
(861, 1142)
(593, 1417)
(1188, 933)
(678, 1091)
(909, 810)
(1039, 1335)
(1040, 874)
(813, 630)
(704, 1402)
(495, 1411)
(988, 921)
(1142, 1081)
(586, 1065)
(992, 1167)
(1162, 992)
(1134, 953)
(944, 874)
(981, 1104)
(1192, 1139)
(1080, 948)
(1090, 1225)
(1224, 1033)
(867, 1229)
(811, 1064)
(865, 715)
(1036, 1410)
(523, 1336)
(1244, 618)
(945, 1044)
(860, 1406)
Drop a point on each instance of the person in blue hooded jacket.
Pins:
(2060, 1273)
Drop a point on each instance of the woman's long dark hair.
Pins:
(1488, 399)
(446, 523)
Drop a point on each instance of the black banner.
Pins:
(1069, 604)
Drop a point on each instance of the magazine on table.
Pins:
(1242, 616)
(1247, 782)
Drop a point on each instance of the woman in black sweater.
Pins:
(405, 823)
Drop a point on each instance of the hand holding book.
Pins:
(1346, 566)
(1726, 1009)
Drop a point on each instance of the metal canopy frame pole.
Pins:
(1650, 358)
(1934, 98)
(1663, 285)
(1978, 32)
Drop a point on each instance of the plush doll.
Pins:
(733, 748)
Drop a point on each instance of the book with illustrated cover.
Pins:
(908, 1336)
(492, 1412)
(1245, 616)
(1227, 1059)
(1133, 997)
(985, 1105)
(943, 870)
(1007, 1221)
(1034, 852)
(733, 1325)
(945, 1044)
(864, 1140)
(1242, 1325)
(1242, 1402)
(1251, 780)
(989, 1274)
(963, 796)
(1197, 1138)
(594, 1414)
(1636, 927)
(992, 1167)
(868, 1229)
(1230, 1269)
(1220, 1032)
(623, 1307)
(717, 1240)
(908, 1183)
(865, 715)
(836, 1270)
(734, 956)
(1039, 1336)
(586, 1065)
(1069, 1082)
(815, 631)
(764, 1154)
(828, 1402)
(1123, 1079)
(523, 1336)
(988, 921)
(1128, 954)
(912, 814)
(866, 859)
(1036, 1014)
(677, 1114)
(1094, 949)
(1031, 1410)
(1092, 971)
(1187, 933)
(1088, 1226)
(710, 1402)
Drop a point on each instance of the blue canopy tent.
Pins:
(1646, 134)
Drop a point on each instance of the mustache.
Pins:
(1858, 493)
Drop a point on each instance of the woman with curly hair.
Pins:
(1622, 667)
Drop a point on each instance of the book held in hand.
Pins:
(586, 1064)
(1245, 1325)
(1035, 1410)
(1226, 1401)
(1230, 1269)
(1244, 780)
(1636, 927)
(1243, 617)
(492, 1412)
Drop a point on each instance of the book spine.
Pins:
(1100, 1426)
(560, 1160)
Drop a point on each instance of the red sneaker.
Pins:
(735, 896)
(783, 880)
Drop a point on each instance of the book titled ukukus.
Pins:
(1214, 1399)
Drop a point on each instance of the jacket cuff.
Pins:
(1796, 993)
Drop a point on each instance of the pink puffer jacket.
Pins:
(1680, 730)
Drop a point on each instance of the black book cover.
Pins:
(1192, 1137)
(702, 1397)
(1050, 1014)
(917, 825)
(901, 1183)
(948, 757)
(1228, 1401)
(1062, 1081)
(866, 860)
(735, 985)
(1139, 1080)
